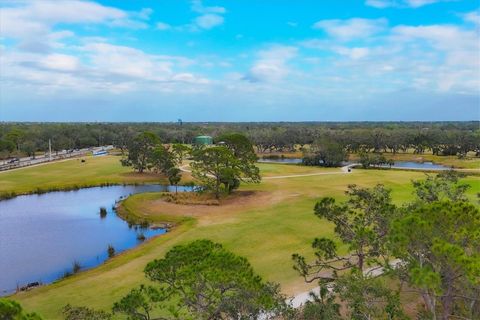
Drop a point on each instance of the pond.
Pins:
(418, 165)
(41, 236)
(281, 160)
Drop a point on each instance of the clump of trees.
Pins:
(198, 280)
(146, 152)
(223, 167)
(219, 169)
(368, 160)
(325, 152)
(431, 244)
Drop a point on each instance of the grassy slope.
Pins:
(267, 235)
(67, 174)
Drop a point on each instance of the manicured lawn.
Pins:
(266, 231)
(276, 169)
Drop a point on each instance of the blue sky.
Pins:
(243, 60)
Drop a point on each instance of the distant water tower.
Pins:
(203, 140)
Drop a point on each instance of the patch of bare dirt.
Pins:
(239, 201)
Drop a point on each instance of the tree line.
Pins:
(440, 138)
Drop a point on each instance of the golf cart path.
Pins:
(300, 299)
(344, 170)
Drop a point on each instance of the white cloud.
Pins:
(143, 14)
(472, 17)
(60, 62)
(209, 21)
(381, 4)
(353, 53)
(36, 18)
(163, 26)
(351, 28)
(209, 18)
(198, 7)
(272, 64)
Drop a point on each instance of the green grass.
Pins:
(267, 233)
(69, 174)
(276, 169)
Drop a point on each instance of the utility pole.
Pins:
(49, 150)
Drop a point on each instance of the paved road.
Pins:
(27, 161)
(61, 155)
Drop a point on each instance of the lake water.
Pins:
(42, 235)
(281, 160)
(419, 165)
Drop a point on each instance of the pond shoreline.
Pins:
(45, 234)
(6, 195)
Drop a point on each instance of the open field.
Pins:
(266, 224)
(70, 173)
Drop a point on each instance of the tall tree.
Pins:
(242, 149)
(439, 245)
(325, 152)
(443, 186)
(206, 282)
(217, 166)
(361, 223)
(140, 151)
(174, 176)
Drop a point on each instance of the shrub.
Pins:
(103, 212)
(111, 251)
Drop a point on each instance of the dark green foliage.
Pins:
(218, 166)
(368, 160)
(141, 151)
(439, 137)
(83, 313)
(110, 251)
(103, 212)
(322, 306)
(7, 145)
(174, 176)
(210, 282)
(443, 186)
(368, 298)
(325, 152)
(11, 310)
(138, 303)
(439, 243)
(361, 222)
(162, 160)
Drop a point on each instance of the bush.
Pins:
(141, 236)
(76, 267)
(111, 251)
(103, 212)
